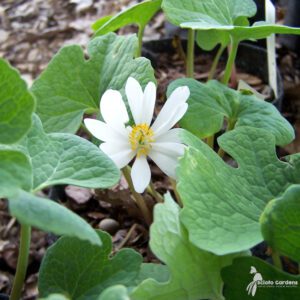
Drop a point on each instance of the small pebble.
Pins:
(109, 225)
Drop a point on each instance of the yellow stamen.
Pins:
(141, 138)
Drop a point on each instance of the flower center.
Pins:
(140, 139)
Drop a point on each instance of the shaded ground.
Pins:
(31, 32)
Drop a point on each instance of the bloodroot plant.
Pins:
(229, 194)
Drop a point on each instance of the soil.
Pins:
(31, 32)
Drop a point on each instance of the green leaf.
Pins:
(72, 85)
(280, 223)
(116, 292)
(208, 39)
(150, 270)
(210, 103)
(59, 158)
(139, 14)
(213, 12)
(258, 30)
(82, 271)
(100, 22)
(222, 204)
(15, 172)
(50, 216)
(16, 105)
(194, 273)
(221, 21)
(237, 278)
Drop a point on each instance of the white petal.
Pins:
(140, 174)
(104, 132)
(173, 118)
(135, 96)
(170, 149)
(122, 158)
(149, 103)
(176, 99)
(172, 136)
(166, 163)
(112, 148)
(113, 109)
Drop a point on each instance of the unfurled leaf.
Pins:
(222, 204)
(49, 216)
(210, 103)
(15, 172)
(139, 14)
(72, 85)
(82, 271)
(194, 273)
(59, 158)
(240, 283)
(16, 105)
(280, 223)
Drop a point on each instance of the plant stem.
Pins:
(211, 141)
(230, 126)
(140, 201)
(151, 189)
(140, 41)
(230, 62)
(127, 237)
(215, 63)
(276, 260)
(178, 198)
(190, 53)
(22, 262)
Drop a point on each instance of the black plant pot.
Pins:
(250, 59)
(4, 297)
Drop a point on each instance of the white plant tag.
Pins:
(271, 18)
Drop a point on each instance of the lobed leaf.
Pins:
(82, 271)
(194, 273)
(59, 158)
(210, 103)
(280, 223)
(16, 105)
(222, 204)
(139, 14)
(71, 85)
(47, 215)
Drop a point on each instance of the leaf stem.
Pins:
(140, 40)
(140, 201)
(215, 63)
(210, 141)
(22, 262)
(230, 126)
(276, 260)
(174, 186)
(230, 62)
(152, 191)
(190, 53)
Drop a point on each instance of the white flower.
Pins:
(122, 143)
